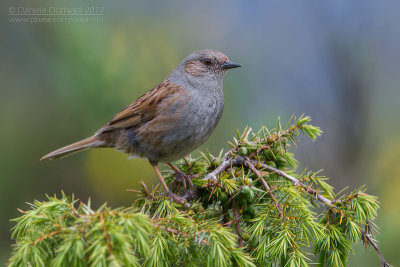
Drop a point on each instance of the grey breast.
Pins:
(201, 116)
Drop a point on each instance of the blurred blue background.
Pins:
(337, 61)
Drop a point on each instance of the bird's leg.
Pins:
(173, 196)
(183, 177)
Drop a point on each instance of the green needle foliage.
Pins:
(247, 207)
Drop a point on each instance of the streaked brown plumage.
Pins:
(143, 115)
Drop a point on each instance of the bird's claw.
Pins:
(175, 197)
(181, 177)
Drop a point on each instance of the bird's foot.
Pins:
(176, 198)
(183, 178)
(172, 196)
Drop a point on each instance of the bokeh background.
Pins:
(337, 61)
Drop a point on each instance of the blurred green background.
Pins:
(337, 61)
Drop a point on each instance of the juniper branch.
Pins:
(224, 218)
(295, 181)
(251, 166)
(367, 239)
(226, 162)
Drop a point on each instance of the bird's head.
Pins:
(202, 70)
(208, 63)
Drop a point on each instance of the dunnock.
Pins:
(169, 121)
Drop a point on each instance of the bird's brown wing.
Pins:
(143, 109)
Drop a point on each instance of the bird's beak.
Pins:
(230, 65)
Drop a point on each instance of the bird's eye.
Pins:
(207, 62)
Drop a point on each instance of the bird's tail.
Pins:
(65, 151)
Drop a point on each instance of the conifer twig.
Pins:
(368, 239)
(176, 232)
(108, 239)
(295, 181)
(237, 222)
(225, 163)
(146, 191)
(256, 172)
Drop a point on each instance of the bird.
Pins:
(169, 121)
